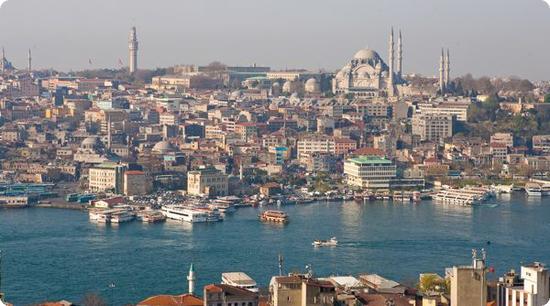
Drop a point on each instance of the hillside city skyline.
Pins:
(322, 38)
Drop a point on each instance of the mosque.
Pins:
(367, 75)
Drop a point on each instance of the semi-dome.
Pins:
(163, 147)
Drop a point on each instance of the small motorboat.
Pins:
(324, 243)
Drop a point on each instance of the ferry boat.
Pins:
(503, 188)
(239, 280)
(152, 217)
(122, 216)
(467, 196)
(115, 216)
(275, 216)
(325, 243)
(184, 214)
(212, 215)
(533, 190)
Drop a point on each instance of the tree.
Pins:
(547, 98)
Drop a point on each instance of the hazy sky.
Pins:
(486, 37)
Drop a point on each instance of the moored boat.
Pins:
(275, 216)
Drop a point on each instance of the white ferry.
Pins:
(122, 216)
(465, 196)
(533, 190)
(185, 214)
(240, 280)
(503, 188)
(322, 243)
(111, 215)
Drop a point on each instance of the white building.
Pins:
(370, 172)
(433, 127)
(535, 290)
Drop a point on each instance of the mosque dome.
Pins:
(312, 86)
(90, 143)
(367, 54)
(163, 147)
(288, 87)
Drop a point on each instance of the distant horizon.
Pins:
(314, 35)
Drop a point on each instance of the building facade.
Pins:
(370, 172)
(207, 181)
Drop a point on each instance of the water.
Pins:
(57, 254)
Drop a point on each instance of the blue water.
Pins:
(57, 254)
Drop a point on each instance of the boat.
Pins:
(116, 216)
(503, 188)
(466, 196)
(533, 189)
(325, 243)
(240, 280)
(184, 214)
(152, 217)
(275, 216)
(122, 216)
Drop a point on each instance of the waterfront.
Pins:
(52, 254)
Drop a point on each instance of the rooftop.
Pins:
(370, 159)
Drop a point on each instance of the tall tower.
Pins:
(442, 73)
(133, 47)
(400, 56)
(191, 279)
(3, 61)
(30, 61)
(391, 63)
(447, 69)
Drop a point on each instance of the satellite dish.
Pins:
(547, 304)
(547, 2)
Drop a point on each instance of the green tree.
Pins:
(547, 98)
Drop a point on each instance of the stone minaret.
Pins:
(447, 69)
(3, 61)
(442, 73)
(391, 63)
(191, 279)
(400, 56)
(133, 49)
(30, 61)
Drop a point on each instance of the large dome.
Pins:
(366, 54)
(163, 147)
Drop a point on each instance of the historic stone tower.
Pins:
(133, 49)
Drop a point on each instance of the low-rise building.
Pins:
(207, 181)
(226, 295)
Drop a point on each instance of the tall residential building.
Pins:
(106, 177)
(535, 290)
(207, 181)
(370, 172)
(299, 290)
(469, 283)
(432, 127)
(133, 49)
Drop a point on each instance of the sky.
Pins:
(485, 37)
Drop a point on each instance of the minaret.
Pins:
(30, 61)
(133, 49)
(3, 63)
(391, 66)
(109, 134)
(400, 56)
(191, 279)
(442, 73)
(447, 69)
